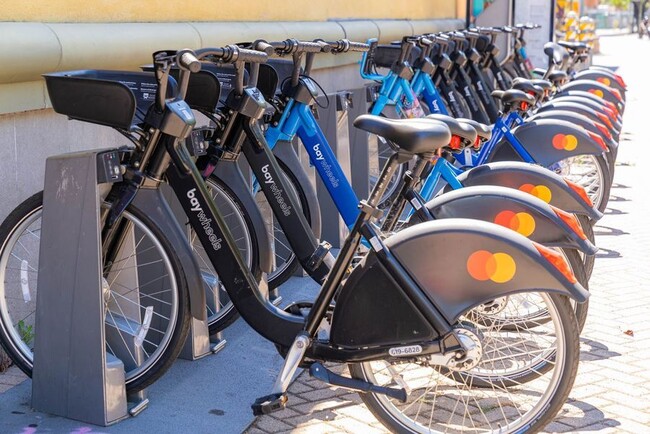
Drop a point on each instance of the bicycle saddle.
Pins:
(482, 130)
(457, 127)
(558, 77)
(578, 47)
(544, 84)
(417, 136)
(513, 96)
(527, 86)
(555, 52)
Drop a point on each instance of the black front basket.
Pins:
(118, 99)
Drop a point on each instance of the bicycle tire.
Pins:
(33, 205)
(588, 229)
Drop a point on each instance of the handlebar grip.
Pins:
(187, 60)
(264, 47)
(309, 47)
(442, 40)
(359, 47)
(325, 47)
(251, 56)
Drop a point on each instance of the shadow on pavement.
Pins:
(600, 230)
(590, 418)
(596, 351)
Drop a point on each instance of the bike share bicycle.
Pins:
(507, 147)
(390, 355)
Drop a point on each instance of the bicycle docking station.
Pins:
(74, 376)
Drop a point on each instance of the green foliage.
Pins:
(26, 332)
(618, 4)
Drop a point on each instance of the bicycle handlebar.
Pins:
(232, 54)
(291, 46)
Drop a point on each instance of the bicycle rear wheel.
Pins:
(439, 402)
(147, 301)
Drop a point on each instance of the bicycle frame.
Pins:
(298, 119)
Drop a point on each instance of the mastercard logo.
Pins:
(497, 267)
(539, 191)
(567, 142)
(521, 222)
(604, 80)
(599, 93)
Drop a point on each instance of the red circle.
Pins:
(477, 265)
(559, 141)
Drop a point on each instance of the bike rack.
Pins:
(74, 376)
(359, 141)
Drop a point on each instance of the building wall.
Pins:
(102, 11)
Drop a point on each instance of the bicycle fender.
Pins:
(155, 206)
(285, 153)
(592, 101)
(607, 78)
(583, 121)
(491, 261)
(230, 174)
(598, 89)
(533, 179)
(584, 107)
(549, 141)
(513, 209)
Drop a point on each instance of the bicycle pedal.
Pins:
(269, 404)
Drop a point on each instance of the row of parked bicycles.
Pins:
(458, 296)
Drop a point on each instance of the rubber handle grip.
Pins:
(325, 47)
(309, 47)
(359, 47)
(188, 61)
(264, 47)
(251, 56)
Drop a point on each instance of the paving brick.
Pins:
(271, 424)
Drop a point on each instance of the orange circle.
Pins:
(559, 141)
(604, 80)
(477, 265)
(498, 267)
(505, 219)
(599, 93)
(527, 188)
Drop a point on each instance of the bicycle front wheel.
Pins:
(445, 398)
(146, 295)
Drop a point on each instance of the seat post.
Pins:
(384, 178)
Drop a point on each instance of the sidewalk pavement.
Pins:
(610, 394)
